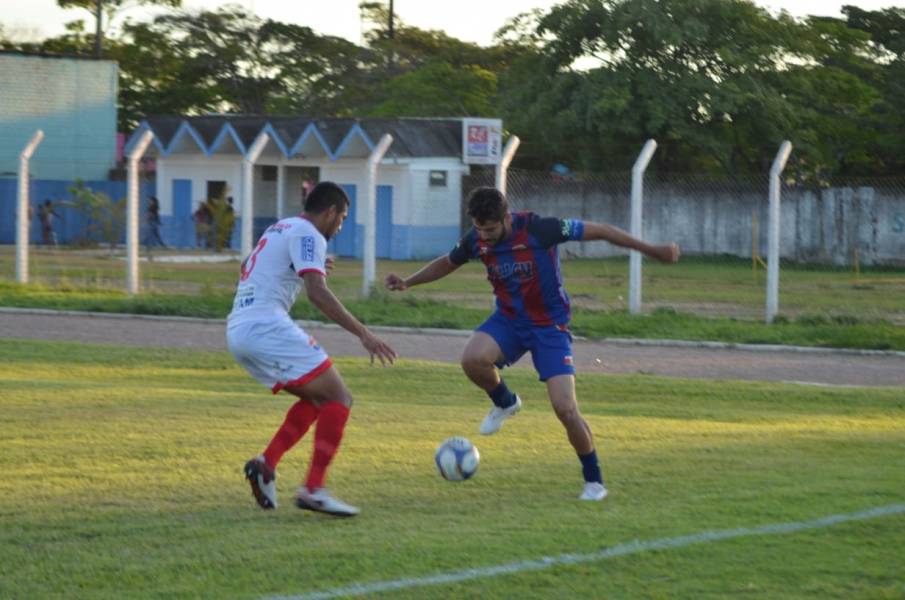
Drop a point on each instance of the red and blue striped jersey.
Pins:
(524, 268)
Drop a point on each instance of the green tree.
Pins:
(412, 47)
(886, 29)
(836, 100)
(108, 8)
(718, 83)
(693, 74)
(419, 72)
(157, 77)
(75, 41)
(439, 89)
(231, 61)
(105, 219)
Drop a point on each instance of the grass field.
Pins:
(122, 479)
(714, 299)
(710, 286)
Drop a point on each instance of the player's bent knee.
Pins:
(567, 412)
(346, 399)
(475, 362)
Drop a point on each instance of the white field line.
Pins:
(634, 547)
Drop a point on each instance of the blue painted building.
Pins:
(419, 194)
(70, 224)
(73, 100)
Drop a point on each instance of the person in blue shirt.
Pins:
(519, 251)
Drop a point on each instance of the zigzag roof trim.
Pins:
(332, 138)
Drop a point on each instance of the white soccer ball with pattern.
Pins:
(457, 459)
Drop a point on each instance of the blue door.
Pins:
(344, 243)
(384, 221)
(182, 228)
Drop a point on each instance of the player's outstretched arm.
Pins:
(602, 231)
(436, 269)
(324, 299)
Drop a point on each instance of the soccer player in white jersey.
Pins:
(264, 339)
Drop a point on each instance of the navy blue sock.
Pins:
(590, 467)
(501, 395)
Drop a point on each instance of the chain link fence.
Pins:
(842, 245)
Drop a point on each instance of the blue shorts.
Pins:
(550, 347)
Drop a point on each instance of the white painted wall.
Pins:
(265, 194)
(433, 205)
(200, 170)
(414, 201)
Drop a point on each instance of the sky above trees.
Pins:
(718, 83)
(43, 18)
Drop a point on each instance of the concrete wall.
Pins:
(71, 226)
(73, 101)
(818, 226)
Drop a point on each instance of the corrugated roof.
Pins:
(412, 137)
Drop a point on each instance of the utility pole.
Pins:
(391, 34)
(98, 31)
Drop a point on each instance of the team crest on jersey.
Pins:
(307, 248)
(522, 270)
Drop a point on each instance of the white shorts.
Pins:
(276, 352)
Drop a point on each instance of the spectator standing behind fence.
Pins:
(202, 218)
(46, 213)
(152, 216)
(223, 219)
(225, 232)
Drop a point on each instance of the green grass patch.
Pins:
(701, 298)
(421, 311)
(122, 478)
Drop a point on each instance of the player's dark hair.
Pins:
(487, 204)
(323, 196)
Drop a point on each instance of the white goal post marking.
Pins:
(634, 547)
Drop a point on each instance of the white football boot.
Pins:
(494, 419)
(320, 500)
(593, 491)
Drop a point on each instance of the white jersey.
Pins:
(272, 274)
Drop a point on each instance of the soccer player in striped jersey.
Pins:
(519, 251)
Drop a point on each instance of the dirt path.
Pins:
(818, 367)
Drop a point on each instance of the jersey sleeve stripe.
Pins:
(311, 270)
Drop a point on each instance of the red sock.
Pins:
(329, 433)
(298, 419)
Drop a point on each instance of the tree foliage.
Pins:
(718, 83)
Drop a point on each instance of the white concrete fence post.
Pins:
(132, 240)
(248, 182)
(22, 223)
(370, 212)
(779, 163)
(281, 191)
(502, 169)
(636, 229)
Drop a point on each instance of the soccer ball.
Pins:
(457, 459)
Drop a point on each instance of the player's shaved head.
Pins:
(323, 196)
(487, 204)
